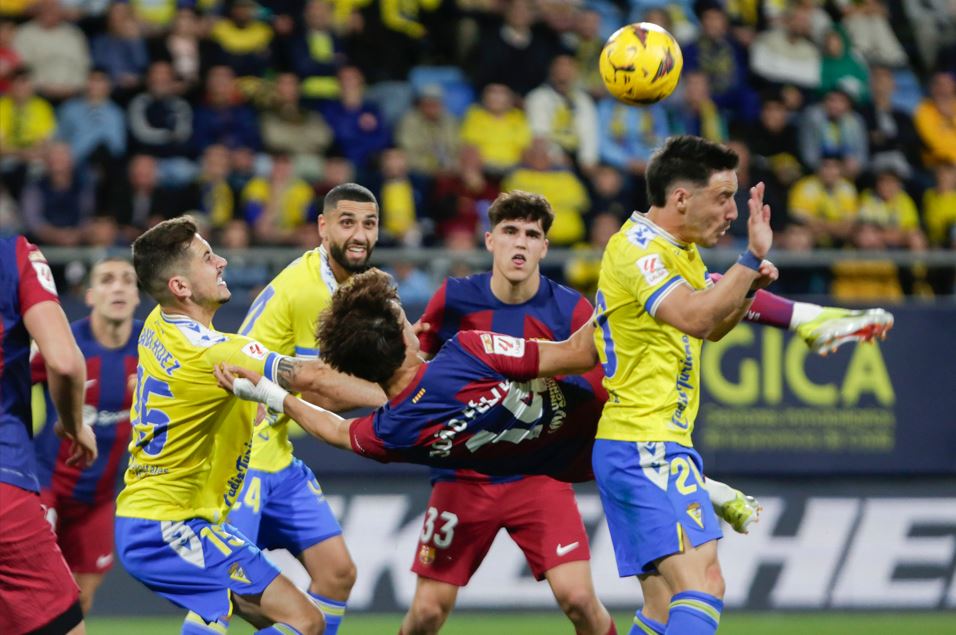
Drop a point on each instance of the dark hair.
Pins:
(348, 192)
(158, 251)
(103, 261)
(685, 158)
(361, 333)
(521, 205)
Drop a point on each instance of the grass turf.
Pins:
(464, 623)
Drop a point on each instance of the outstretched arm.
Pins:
(326, 387)
(317, 421)
(573, 356)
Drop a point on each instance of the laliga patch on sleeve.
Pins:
(44, 275)
(653, 269)
(507, 346)
(487, 343)
(255, 350)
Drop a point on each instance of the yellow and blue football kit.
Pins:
(281, 505)
(647, 471)
(189, 452)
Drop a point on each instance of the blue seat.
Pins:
(459, 93)
(392, 98)
(908, 92)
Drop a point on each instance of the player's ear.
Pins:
(321, 222)
(679, 196)
(179, 288)
(545, 252)
(489, 241)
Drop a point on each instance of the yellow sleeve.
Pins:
(6, 123)
(932, 213)
(256, 190)
(648, 274)
(803, 199)
(45, 123)
(245, 352)
(936, 135)
(909, 216)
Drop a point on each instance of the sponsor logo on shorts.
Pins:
(426, 555)
(237, 573)
(563, 550)
(104, 561)
(693, 510)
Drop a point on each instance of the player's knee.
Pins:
(428, 616)
(715, 581)
(343, 575)
(578, 603)
(310, 621)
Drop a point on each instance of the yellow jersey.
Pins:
(652, 369)
(284, 318)
(191, 439)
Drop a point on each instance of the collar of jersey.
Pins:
(637, 217)
(325, 270)
(176, 319)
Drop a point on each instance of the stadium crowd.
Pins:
(114, 116)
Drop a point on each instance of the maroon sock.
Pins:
(767, 308)
(612, 630)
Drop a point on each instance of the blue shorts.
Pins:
(654, 500)
(193, 563)
(284, 509)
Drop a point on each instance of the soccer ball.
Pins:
(641, 63)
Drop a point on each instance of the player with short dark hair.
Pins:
(190, 449)
(80, 502)
(37, 592)
(655, 305)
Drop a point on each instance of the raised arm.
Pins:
(711, 313)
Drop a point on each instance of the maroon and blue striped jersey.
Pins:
(478, 406)
(25, 281)
(554, 313)
(108, 397)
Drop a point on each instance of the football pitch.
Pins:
(464, 623)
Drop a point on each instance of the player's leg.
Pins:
(823, 328)
(573, 588)
(201, 566)
(85, 535)
(698, 585)
(430, 608)
(246, 517)
(651, 619)
(542, 517)
(658, 513)
(36, 588)
(461, 521)
(297, 517)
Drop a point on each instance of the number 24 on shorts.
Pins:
(441, 534)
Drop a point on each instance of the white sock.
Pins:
(720, 493)
(803, 312)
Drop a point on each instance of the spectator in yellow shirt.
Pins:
(568, 197)
(825, 202)
(27, 123)
(893, 211)
(279, 206)
(243, 39)
(497, 128)
(935, 120)
(399, 199)
(939, 207)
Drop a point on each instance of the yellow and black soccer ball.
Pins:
(641, 63)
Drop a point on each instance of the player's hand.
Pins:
(759, 234)
(420, 327)
(131, 383)
(768, 274)
(83, 451)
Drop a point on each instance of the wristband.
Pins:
(749, 260)
(266, 392)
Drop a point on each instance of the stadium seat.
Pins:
(458, 91)
(908, 91)
(392, 98)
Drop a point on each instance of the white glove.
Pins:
(266, 392)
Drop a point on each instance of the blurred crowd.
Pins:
(116, 115)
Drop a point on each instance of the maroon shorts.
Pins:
(463, 518)
(35, 584)
(84, 532)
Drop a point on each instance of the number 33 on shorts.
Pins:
(439, 528)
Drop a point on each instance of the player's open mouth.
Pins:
(358, 251)
(518, 260)
(220, 281)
